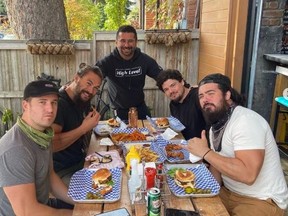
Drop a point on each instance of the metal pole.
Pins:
(259, 5)
(142, 14)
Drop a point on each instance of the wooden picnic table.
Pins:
(208, 206)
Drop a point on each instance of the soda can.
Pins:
(154, 202)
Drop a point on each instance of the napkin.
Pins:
(194, 158)
(106, 141)
(122, 124)
(169, 134)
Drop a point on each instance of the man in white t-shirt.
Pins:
(244, 157)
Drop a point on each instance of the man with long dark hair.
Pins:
(243, 157)
(75, 120)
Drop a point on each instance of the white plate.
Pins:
(102, 129)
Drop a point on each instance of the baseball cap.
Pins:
(39, 88)
(218, 78)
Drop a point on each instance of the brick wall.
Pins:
(275, 14)
(272, 13)
(191, 10)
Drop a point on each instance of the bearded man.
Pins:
(184, 103)
(74, 121)
(244, 157)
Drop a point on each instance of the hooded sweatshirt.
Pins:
(126, 78)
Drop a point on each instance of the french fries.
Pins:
(127, 137)
(148, 155)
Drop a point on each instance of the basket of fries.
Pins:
(148, 151)
(119, 136)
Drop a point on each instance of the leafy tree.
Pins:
(115, 11)
(101, 14)
(166, 12)
(36, 19)
(82, 18)
(2, 8)
(134, 17)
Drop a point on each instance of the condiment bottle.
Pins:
(133, 117)
(134, 182)
(159, 175)
(132, 154)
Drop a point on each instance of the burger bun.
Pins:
(101, 177)
(113, 122)
(162, 122)
(184, 178)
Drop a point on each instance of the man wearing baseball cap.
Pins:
(243, 155)
(26, 165)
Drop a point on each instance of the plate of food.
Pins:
(147, 151)
(162, 123)
(114, 123)
(104, 159)
(191, 180)
(172, 151)
(96, 186)
(119, 136)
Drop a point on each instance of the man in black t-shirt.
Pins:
(74, 121)
(184, 103)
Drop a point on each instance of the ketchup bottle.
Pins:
(159, 176)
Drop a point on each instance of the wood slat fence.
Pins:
(18, 67)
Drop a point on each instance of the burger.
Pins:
(184, 178)
(162, 122)
(102, 178)
(113, 122)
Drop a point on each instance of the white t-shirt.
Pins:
(248, 130)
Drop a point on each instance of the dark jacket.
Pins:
(126, 78)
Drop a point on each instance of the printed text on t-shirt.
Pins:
(128, 72)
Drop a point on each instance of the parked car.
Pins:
(9, 37)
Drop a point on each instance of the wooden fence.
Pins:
(18, 66)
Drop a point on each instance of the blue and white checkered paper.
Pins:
(174, 124)
(160, 144)
(81, 184)
(130, 130)
(203, 180)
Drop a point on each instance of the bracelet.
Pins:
(206, 153)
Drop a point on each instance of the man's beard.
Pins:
(211, 117)
(78, 100)
(131, 51)
(179, 98)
